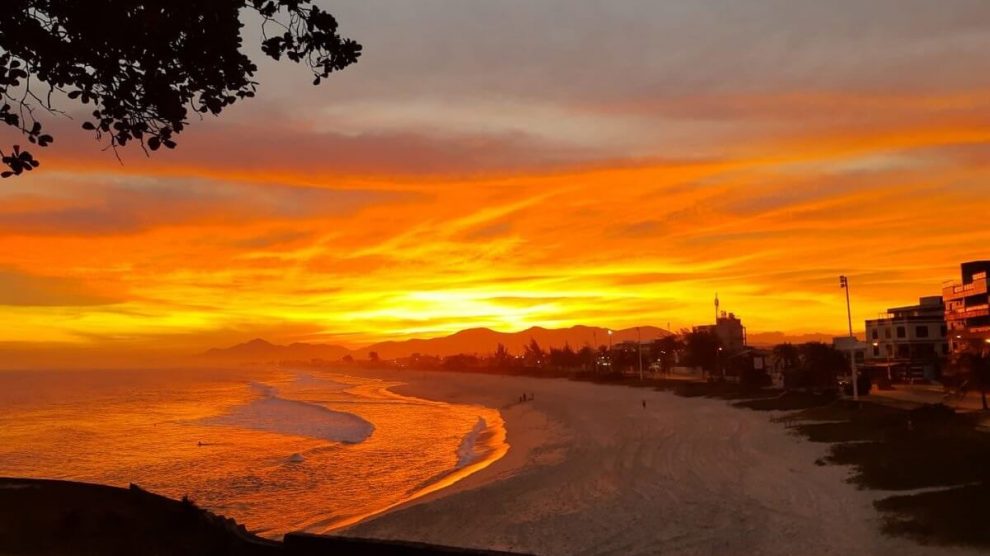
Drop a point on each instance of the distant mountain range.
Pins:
(479, 341)
(261, 350)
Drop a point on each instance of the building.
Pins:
(729, 331)
(967, 307)
(916, 333)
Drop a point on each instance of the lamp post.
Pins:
(611, 366)
(844, 283)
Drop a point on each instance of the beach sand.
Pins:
(590, 471)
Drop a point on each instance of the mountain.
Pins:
(259, 350)
(481, 341)
(484, 341)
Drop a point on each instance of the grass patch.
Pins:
(891, 448)
(788, 401)
(952, 516)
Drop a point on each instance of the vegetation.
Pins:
(142, 66)
(930, 447)
(62, 518)
(974, 369)
(701, 349)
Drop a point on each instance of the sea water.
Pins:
(277, 450)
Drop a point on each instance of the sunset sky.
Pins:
(535, 162)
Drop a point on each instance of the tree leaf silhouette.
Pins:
(144, 65)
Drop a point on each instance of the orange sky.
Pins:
(588, 165)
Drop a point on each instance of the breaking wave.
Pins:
(271, 413)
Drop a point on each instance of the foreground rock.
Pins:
(61, 517)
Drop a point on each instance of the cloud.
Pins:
(534, 163)
(71, 207)
(23, 289)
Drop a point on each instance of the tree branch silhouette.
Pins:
(144, 65)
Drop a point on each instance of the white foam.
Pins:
(271, 413)
(467, 452)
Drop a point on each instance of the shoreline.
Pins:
(591, 471)
(524, 430)
(448, 481)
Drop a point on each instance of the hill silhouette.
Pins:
(258, 350)
(479, 341)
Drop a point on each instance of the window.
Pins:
(875, 335)
(903, 350)
(901, 332)
(944, 331)
(876, 351)
(921, 332)
(890, 350)
(886, 333)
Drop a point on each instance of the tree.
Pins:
(534, 354)
(701, 349)
(975, 367)
(820, 365)
(586, 357)
(461, 362)
(142, 65)
(501, 358)
(785, 357)
(664, 350)
(563, 358)
(373, 356)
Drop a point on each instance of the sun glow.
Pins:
(454, 202)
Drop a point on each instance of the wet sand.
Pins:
(590, 471)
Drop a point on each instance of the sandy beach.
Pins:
(591, 471)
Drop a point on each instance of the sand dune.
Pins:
(591, 471)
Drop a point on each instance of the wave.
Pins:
(478, 445)
(469, 450)
(271, 413)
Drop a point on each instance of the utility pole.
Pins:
(639, 349)
(844, 283)
(611, 362)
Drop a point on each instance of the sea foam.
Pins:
(468, 451)
(271, 413)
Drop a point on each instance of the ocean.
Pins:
(277, 450)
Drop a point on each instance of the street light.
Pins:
(844, 283)
(611, 366)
